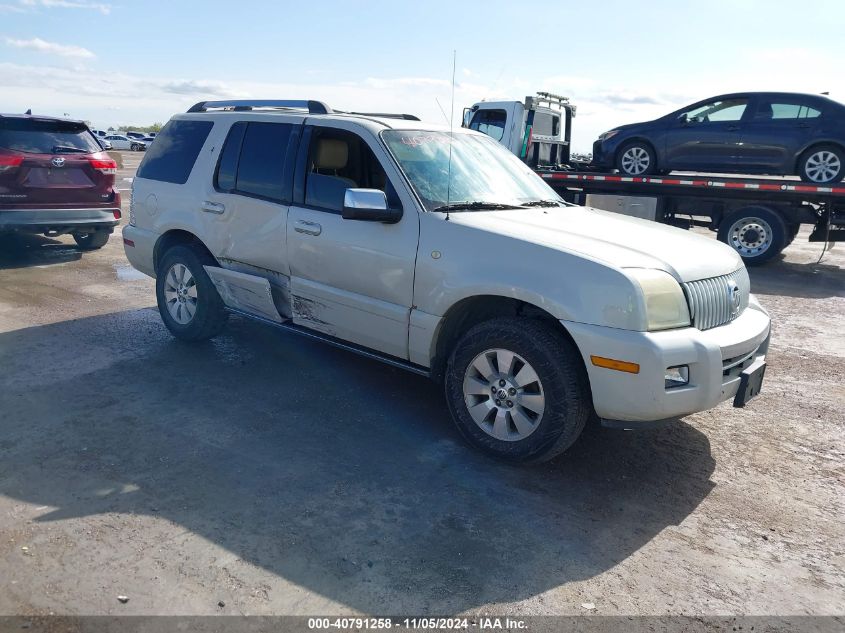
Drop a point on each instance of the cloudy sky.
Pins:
(138, 62)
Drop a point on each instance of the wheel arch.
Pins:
(796, 166)
(173, 237)
(469, 312)
(637, 138)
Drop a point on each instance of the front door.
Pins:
(350, 279)
(706, 137)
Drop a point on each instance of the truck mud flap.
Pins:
(246, 293)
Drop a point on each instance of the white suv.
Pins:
(440, 252)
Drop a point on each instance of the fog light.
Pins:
(677, 376)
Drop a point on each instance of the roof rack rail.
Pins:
(313, 107)
(388, 115)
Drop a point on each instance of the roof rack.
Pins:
(387, 115)
(313, 107)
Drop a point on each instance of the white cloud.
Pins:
(202, 88)
(103, 8)
(11, 8)
(42, 46)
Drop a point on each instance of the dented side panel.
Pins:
(248, 293)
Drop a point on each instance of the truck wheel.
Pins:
(91, 241)
(188, 302)
(757, 233)
(822, 164)
(517, 389)
(636, 159)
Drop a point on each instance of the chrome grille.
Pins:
(710, 300)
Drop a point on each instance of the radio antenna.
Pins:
(451, 133)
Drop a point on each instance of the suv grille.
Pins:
(711, 301)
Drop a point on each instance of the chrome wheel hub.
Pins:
(750, 236)
(180, 293)
(635, 160)
(823, 166)
(504, 395)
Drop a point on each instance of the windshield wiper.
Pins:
(543, 203)
(67, 148)
(477, 206)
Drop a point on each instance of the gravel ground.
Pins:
(274, 475)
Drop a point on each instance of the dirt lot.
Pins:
(274, 475)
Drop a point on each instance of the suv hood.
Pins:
(618, 240)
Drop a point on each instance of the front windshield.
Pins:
(482, 171)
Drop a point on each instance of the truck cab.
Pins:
(537, 130)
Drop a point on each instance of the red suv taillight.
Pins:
(9, 162)
(106, 166)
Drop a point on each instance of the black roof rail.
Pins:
(313, 107)
(388, 115)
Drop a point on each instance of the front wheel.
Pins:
(517, 389)
(188, 302)
(757, 233)
(822, 165)
(636, 159)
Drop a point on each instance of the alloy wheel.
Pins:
(823, 166)
(180, 293)
(635, 160)
(504, 395)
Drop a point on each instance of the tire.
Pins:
(822, 164)
(189, 304)
(91, 241)
(537, 419)
(757, 233)
(636, 158)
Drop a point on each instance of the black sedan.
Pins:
(751, 133)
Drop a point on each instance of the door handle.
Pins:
(309, 228)
(213, 207)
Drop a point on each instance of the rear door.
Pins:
(778, 129)
(51, 163)
(707, 136)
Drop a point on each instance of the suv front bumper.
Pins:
(715, 357)
(58, 221)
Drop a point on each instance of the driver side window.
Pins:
(717, 111)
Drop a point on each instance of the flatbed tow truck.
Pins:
(758, 217)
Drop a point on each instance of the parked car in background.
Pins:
(753, 133)
(119, 141)
(135, 135)
(104, 143)
(148, 140)
(55, 179)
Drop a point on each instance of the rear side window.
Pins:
(786, 111)
(262, 160)
(46, 137)
(171, 158)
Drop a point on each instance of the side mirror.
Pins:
(370, 205)
(465, 117)
(683, 119)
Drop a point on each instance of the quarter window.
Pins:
(171, 158)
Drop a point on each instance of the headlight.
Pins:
(608, 135)
(665, 303)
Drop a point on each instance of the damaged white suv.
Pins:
(439, 252)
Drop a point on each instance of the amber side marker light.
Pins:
(618, 365)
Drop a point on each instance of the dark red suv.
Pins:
(56, 179)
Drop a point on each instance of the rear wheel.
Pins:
(757, 233)
(636, 159)
(188, 302)
(822, 164)
(517, 389)
(91, 241)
